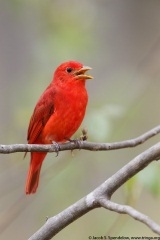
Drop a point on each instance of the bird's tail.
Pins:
(34, 171)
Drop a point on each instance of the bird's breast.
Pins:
(69, 111)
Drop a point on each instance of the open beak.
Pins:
(80, 74)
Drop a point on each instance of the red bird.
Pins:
(58, 114)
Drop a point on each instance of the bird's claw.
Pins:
(75, 141)
(82, 138)
(57, 147)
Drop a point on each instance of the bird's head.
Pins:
(71, 71)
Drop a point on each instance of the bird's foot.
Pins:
(78, 141)
(75, 141)
(57, 147)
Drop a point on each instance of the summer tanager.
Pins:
(58, 114)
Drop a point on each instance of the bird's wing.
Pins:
(42, 112)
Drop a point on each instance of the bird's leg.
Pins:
(57, 147)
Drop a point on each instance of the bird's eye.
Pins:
(69, 69)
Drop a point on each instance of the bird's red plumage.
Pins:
(57, 115)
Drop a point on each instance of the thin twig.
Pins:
(124, 209)
(92, 146)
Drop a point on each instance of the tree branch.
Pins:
(124, 209)
(92, 146)
(101, 196)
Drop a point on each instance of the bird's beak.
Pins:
(80, 74)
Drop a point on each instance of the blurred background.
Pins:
(120, 40)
